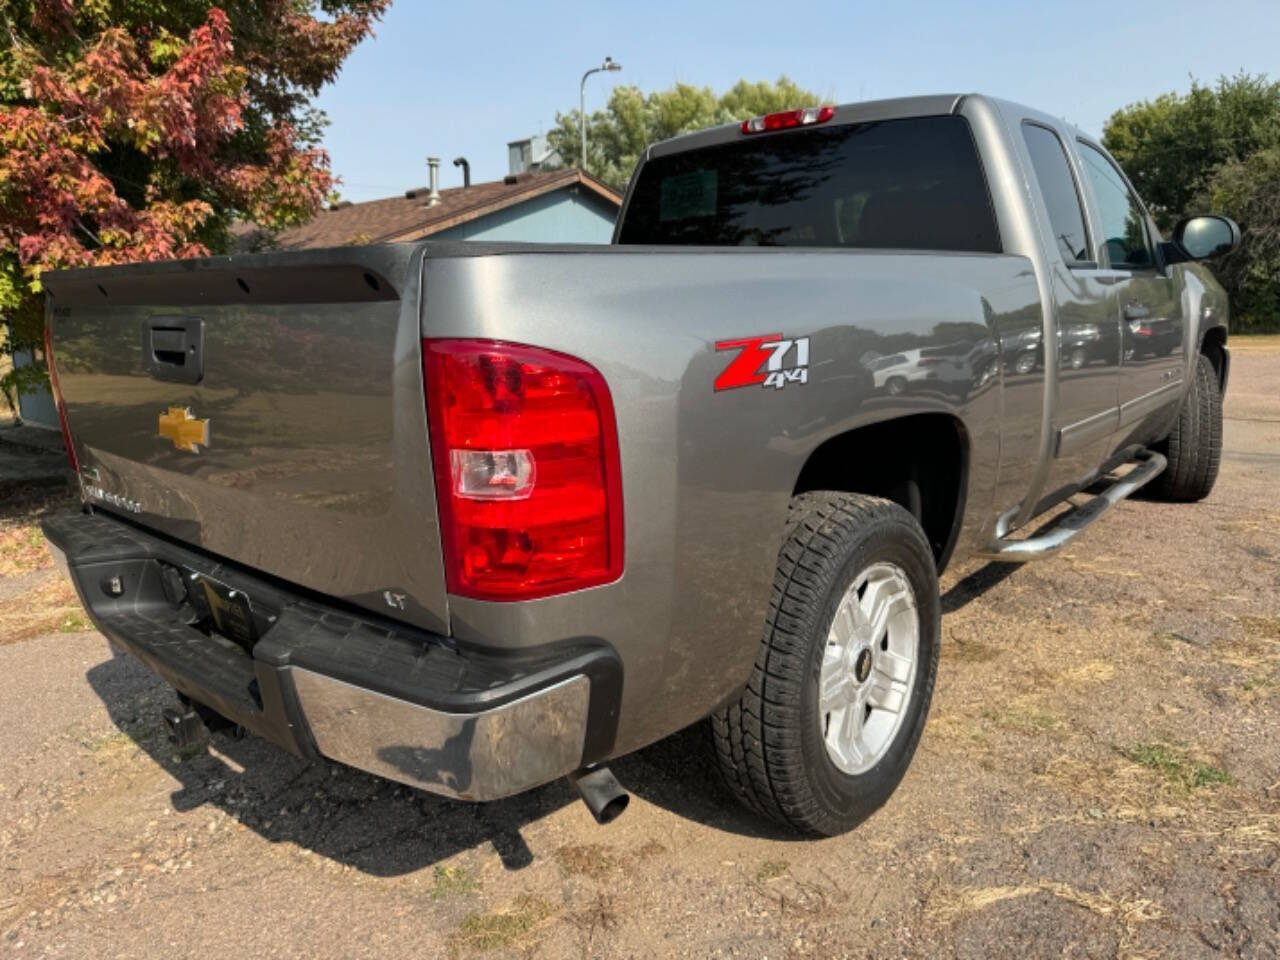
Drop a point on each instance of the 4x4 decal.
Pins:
(761, 361)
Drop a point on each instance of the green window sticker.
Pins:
(688, 195)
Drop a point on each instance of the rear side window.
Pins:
(1058, 187)
(899, 184)
(1124, 241)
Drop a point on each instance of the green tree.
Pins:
(1249, 191)
(619, 134)
(1213, 150)
(141, 129)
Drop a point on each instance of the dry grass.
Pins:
(1094, 671)
(50, 608)
(1155, 784)
(22, 547)
(1255, 342)
(502, 929)
(1026, 715)
(772, 870)
(1262, 628)
(1264, 521)
(452, 882)
(949, 905)
(592, 860)
(1257, 652)
(969, 651)
(1236, 832)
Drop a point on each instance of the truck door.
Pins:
(1148, 303)
(1088, 331)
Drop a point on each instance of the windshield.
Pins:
(905, 184)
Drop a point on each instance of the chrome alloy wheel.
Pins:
(868, 667)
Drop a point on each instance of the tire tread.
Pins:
(1194, 446)
(757, 740)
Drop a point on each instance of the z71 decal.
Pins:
(769, 361)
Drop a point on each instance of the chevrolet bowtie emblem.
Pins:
(186, 433)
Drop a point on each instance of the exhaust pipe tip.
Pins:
(601, 792)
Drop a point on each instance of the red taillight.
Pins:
(57, 400)
(788, 118)
(525, 449)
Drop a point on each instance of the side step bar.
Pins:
(1070, 524)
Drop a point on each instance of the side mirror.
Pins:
(1199, 238)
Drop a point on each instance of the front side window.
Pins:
(1058, 187)
(898, 184)
(1124, 243)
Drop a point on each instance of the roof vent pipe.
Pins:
(466, 170)
(433, 165)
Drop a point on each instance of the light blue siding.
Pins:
(35, 407)
(563, 216)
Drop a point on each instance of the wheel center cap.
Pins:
(862, 666)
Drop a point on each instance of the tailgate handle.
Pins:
(173, 348)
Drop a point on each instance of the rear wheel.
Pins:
(1194, 447)
(842, 681)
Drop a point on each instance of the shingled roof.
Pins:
(408, 217)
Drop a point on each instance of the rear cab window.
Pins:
(913, 184)
(1060, 192)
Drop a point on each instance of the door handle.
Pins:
(173, 348)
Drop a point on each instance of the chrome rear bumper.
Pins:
(381, 696)
(479, 756)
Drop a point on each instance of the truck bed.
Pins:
(317, 470)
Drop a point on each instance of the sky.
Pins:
(464, 78)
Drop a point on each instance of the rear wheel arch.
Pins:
(920, 461)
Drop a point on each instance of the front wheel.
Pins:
(844, 674)
(1194, 448)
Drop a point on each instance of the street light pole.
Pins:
(607, 66)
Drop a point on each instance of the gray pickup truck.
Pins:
(477, 516)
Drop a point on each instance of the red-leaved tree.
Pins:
(143, 129)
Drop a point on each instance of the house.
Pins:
(539, 206)
(36, 407)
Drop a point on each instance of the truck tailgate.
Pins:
(265, 408)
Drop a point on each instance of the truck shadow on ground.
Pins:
(373, 825)
(963, 592)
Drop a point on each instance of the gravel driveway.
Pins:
(1100, 777)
